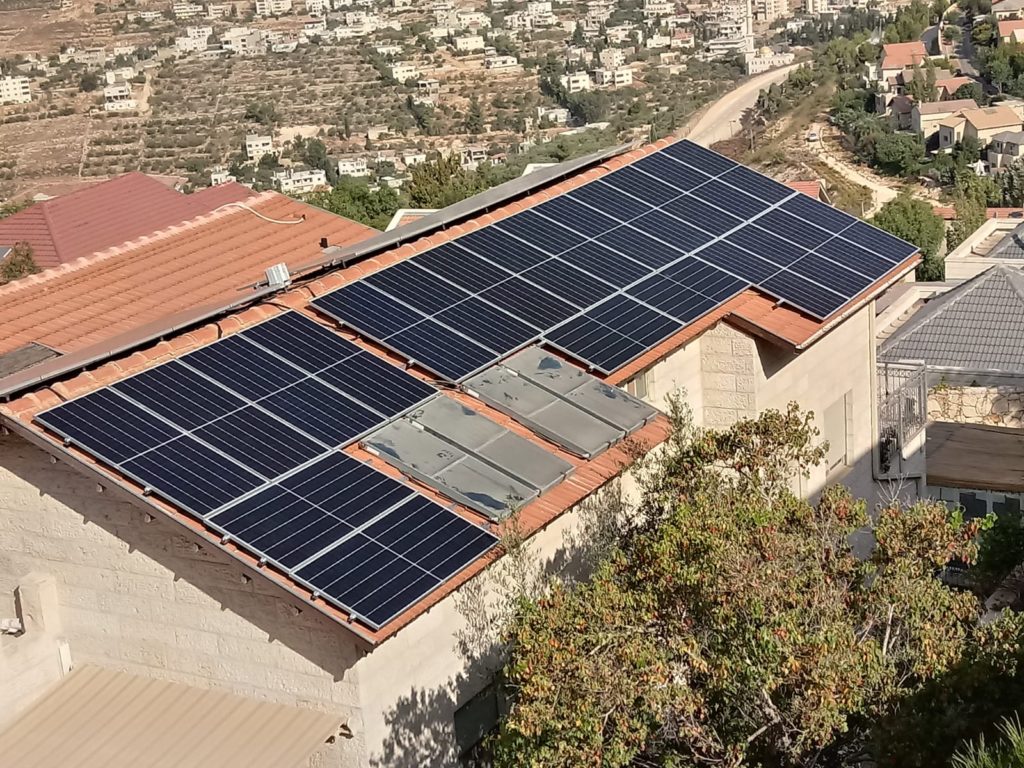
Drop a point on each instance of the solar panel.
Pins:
(621, 241)
(358, 538)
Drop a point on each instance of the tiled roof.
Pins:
(751, 310)
(810, 187)
(975, 326)
(985, 118)
(107, 214)
(1011, 246)
(1008, 26)
(944, 107)
(208, 258)
(902, 55)
(953, 84)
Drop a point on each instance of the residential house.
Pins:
(1010, 31)
(655, 8)
(182, 9)
(948, 86)
(613, 77)
(814, 188)
(468, 43)
(429, 87)
(353, 166)
(518, 21)
(657, 40)
(1008, 9)
(244, 41)
(979, 124)
(896, 58)
(317, 7)
(612, 58)
(540, 13)
(118, 98)
(316, 616)
(554, 115)
(618, 35)
(999, 241)
(411, 157)
(15, 89)
(404, 70)
(471, 156)
(300, 181)
(389, 49)
(472, 20)
(926, 117)
(273, 7)
(257, 146)
(766, 59)
(1007, 147)
(501, 62)
(220, 175)
(66, 228)
(575, 82)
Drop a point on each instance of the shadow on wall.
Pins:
(423, 728)
(251, 598)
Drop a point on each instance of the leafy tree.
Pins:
(922, 87)
(983, 33)
(262, 112)
(353, 199)
(735, 627)
(440, 183)
(916, 222)
(474, 117)
(578, 38)
(20, 262)
(971, 90)
(901, 154)
(588, 106)
(89, 82)
(12, 207)
(1011, 183)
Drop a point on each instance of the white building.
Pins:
(518, 21)
(470, 157)
(389, 49)
(766, 59)
(15, 90)
(353, 166)
(657, 41)
(501, 62)
(118, 98)
(659, 8)
(469, 43)
(244, 41)
(413, 157)
(556, 115)
(472, 20)
(273, 7)
(300, 181)
(613, 77)
(404, 70)
(612, 58)
(119, 75)
(220, 176)
(317, 7)
(577, 81)
(182, 9)
(257, 146)
(218, 10)
(186, 45)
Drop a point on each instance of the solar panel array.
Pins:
(243, 433)
(608, 270)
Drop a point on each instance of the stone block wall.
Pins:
(728, 362)
(998, 406)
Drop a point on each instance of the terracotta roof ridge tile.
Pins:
(83, 262)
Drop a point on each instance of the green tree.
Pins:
(353, 199)
(89, 82)
(474, 117)
(1011, 183)
(916, 222)
(20, 262)
(901, 154)
(11, 207)
(578, 38)
(262, 112)
(735, 627)
(971, 90)
(440, 183)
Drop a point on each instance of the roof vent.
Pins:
(278, 276)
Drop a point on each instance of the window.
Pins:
(837, 432)
(639, 385)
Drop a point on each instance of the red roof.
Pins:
(107, 214)
(1009, 26)
(198, 262)
(810, 187)
(903, 55)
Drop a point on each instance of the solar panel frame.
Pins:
(417, 288)
(466, 269)
(547, 235)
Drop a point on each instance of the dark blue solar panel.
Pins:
(794, 229)
(261, 442)
(702, 278)
(597, 344)
(366, 309)
(301, 341)
(804, 294)
(739, 262)
(179, 394)
(729, 199)
(639, 247)
(633, 320)
(416, 287)
(680, 176)
(107, 425)
(641, 186)
(606, 264)
(669, 297)
(465, 269)
(882, 243)
(698, 157)
(545, 234)
(243, 367)
(846, 254)
(191, 475)
(816, 212)
(528, 301)
(825, 272)
(703, 215)
(322, 412)
(672, 230)
(577, 216)
(756, 184)
(606, 198)
(384, 387)
(503, 249)
(766, 245)
(568, 282)
(487, 325)
(441, 350)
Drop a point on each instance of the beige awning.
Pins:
(975, 456)
(98, 718)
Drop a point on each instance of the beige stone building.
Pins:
(927, 117)
(981, 124)
(118, 563)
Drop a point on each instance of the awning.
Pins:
(975, 456)
(98, 718)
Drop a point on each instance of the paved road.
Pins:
(714, 124)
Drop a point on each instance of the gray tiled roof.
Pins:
(979, 326)
(1011, 246)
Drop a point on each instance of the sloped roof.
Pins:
(944, 107)
(103, 215)
(991, 117)
(1008, 26)
(975, 326)
(1011, 246)
(101, 718)
(902, 55)
(207, 258)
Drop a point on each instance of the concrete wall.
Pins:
(143, 597)
(999, 406)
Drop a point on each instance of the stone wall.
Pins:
(999, 406)
(728, 361)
